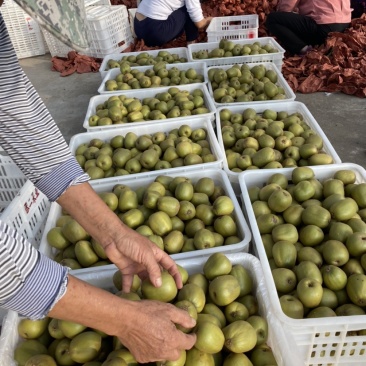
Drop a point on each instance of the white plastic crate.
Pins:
(24, 31)
(180, 51)
(203, 122)
(233, 27)
(27, 213)
(219, 178)
(147, 93)
(290, 95)
(289, 107)
(11, 181)
(284, 350)
(108, 29)
(320, 341)
(276, 58)
(55, 46)
(200, 67)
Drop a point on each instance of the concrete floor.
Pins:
(342, 117)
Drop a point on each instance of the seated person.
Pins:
(160, 21)
(358, 8)
(310, 24)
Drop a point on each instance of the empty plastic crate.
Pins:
(233, 27)
(11, 181)
(27, 213)
(108, 29)
(24, 31)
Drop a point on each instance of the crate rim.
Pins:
(291, 96)
(212, 45)
(112, 73)
(316, 322)
(112, 56)
(141, 92)
(277, 342)
(202, 122)
(216, 20)
(233, 176)
(100, 185)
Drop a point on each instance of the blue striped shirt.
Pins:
(30, 283)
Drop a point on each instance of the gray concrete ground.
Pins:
(342, 117)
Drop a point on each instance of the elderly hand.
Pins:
(147, 328)
(131, 252)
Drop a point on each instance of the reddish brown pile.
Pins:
(130, 4)
(75, 63)
(241, 7)
(139, 45)
(339, 65)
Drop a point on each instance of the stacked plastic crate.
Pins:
(24, 31)
(109, 31)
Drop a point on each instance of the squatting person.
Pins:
(160, 21)
(301, 24)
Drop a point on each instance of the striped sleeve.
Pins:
(30, 283)
(28, 133)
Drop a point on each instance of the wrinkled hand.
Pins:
(131, 252)
(150, 333)
(135, 254)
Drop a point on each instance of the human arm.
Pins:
(195, 12)
(204, 23)
(287, 5)
(146, 328)
(32, 284)
(130, 251)
(35, 286)
(32, 139)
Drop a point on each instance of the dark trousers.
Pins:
(295, 31)
(157, 32)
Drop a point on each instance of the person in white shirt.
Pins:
(160, 21)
